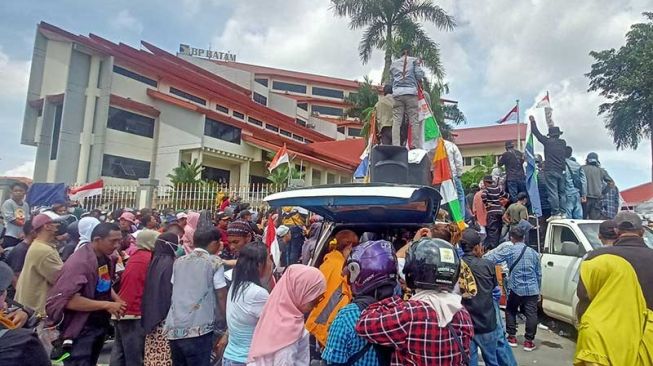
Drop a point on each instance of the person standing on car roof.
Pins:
(611, 278)
(338, 292)
(372, 274)
(576, 187)
(513, 161)
(596, 178)
(432, 327)
(524, 284)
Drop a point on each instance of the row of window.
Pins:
(125, 168)
(351, 131)
(132, 75)
(222, 131)
(301, 89)
(330, 111)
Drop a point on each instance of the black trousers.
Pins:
(194, 351)
(10, 241)
(87, 347)
(592, 209)
(529, 306)
(386, 135)
(493, 230)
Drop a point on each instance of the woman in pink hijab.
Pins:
(280, 337)
(189, 230)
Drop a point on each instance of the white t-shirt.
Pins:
(242, 317)
(296, 354)
(218, 279)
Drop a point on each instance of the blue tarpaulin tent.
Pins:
(47, 194)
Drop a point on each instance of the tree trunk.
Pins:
(388, 55)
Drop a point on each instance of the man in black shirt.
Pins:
(513, 161)
(480, 306)
(16, 257)
(555, 154)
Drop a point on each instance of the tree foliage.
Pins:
(280, 174)
(362, 104)
(625, 78)
(186, 173)
(391, 24)
(447, 115)
(478, 171)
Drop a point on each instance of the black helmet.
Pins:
(432, 264)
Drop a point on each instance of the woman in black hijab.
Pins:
(156, 299)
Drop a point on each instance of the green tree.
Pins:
(447, 115)
(362, 104)
(625, 78)
(478, 171)
(389, 24)
(280, 174)
(186, 173)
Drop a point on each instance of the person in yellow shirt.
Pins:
(338, 293)
(383, 109)
(42, 264)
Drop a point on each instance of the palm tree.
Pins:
(186, 173)
(280, 174)
(362, 104)
(445, 114)
(391, 23)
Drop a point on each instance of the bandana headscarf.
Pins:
(239, 228)
(146, 239)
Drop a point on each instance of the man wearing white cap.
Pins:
(42, 263)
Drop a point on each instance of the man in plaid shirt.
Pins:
(432, 328)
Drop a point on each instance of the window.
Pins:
(191, 97)
(222, 108)
(308, 141)
(331, 111)
(354, 132)
(125, 168)
(129, 122)
(220, 176)
(254, 121)
(285, 133)
(566, 243)
(271, 127)
(135, 76)
(260, 99)
(222, 131)
(300, 122)
(56, 131)
(295, 88)
(303, 106)
(239, 115)
(341, 130)
(263, 82)
(331, 93)
(331, 178)
(317, 178)
(298, 138)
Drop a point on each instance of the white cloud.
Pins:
(125, 21)
(14, 77)
(25, 169)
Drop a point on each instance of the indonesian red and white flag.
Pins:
(544, 103)
(511, 116)
(87, 190)
(280, 157)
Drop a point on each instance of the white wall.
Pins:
(240, 77)
(125, 87)
(285, 105)
(128, 145)
(57, 61)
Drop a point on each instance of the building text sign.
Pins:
(187, 50)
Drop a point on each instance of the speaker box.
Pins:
(389, 164)
(419, 173)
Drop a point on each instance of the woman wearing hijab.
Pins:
(280, 337)
(189, 231)
(156, 300)
(129, 343)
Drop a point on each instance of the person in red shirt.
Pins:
(129, 344)
(432, 328)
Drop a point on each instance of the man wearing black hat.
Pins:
(513, 160)
(555, 154)
(596, 178)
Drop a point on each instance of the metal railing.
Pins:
(112, 197)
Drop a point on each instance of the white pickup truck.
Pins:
(566, 242)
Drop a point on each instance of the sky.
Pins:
(500, 51)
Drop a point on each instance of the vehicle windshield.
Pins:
(591, 232)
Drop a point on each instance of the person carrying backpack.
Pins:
(372, 274)
(575, 187)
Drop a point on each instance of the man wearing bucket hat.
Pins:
(555, 154)
(596, 178)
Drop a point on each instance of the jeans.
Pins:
(407, 104)
(592, 209)
(86, 347)
(460, 191)
(573, 208)
(505, 357)
(514, 187)
(555, 186)
(487, 342)
(194, 351)
(529, 305)
(129, 345)
(493, 230)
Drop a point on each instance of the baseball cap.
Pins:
(283, 230)
(627, 220)
(470, 236)
(510, 144)
(128, 216)
(592, 157)
(43, 219)
(6, 276)
(182, 215)
(607, 229)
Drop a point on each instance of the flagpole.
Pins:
(518, 129)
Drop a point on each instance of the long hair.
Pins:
(246, 272)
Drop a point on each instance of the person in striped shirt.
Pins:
(492, 199)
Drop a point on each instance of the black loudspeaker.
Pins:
(389, 164)
(420, 173)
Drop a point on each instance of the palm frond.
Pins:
(426, 10)
(372, 38)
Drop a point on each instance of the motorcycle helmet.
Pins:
(371, 265)
(432, 264)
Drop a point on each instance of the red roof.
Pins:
(343, 150)
(638, 194)
(488, 134)
(288, 74)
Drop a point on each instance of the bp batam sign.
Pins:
(187, 50)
